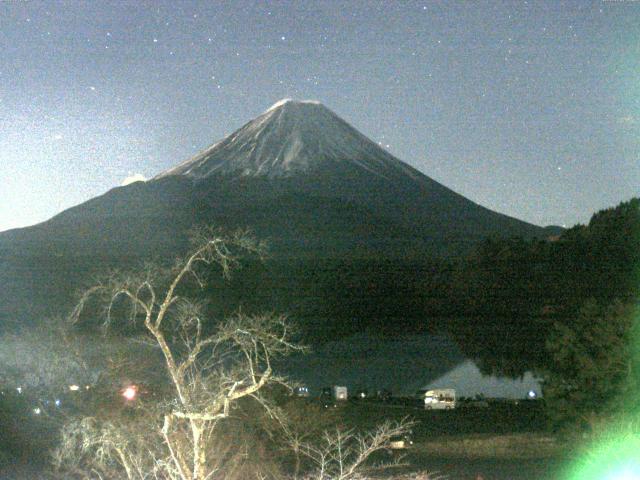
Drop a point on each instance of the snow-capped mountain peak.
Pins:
(284, 101)
(291, 137)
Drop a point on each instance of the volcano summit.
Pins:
(291, 137)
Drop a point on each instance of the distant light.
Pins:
(37, 411)
(74, 388)
(532, 394)
(57, 402)
(19, 389)
(130, 392)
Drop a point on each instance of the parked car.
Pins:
(301, 391)
(440, 399)
(401, 442)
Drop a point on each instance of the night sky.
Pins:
(529, 108)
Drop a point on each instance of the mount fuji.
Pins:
(298, 176)
(291, 138)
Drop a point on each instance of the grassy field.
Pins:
(500, 442)
(505, 441)
(499, 418)
(507, 446)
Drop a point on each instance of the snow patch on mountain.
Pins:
(291, 137)
(284, 101)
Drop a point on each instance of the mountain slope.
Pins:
(297, 175)
(290, 138)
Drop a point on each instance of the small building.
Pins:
(340, 392)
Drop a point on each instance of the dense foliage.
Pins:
(563, 307)
(592, 365)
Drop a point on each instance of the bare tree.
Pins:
(346, 455)
(212, 370)
(208, 372)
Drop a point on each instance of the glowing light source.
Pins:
(616, 459)
(625, 473)
(130, 392)
(37, 411)
(74, 388)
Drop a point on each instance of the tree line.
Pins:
(564, 307)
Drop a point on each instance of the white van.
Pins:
(440, 399)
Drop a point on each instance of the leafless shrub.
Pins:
(421, 476)
(347, 455)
